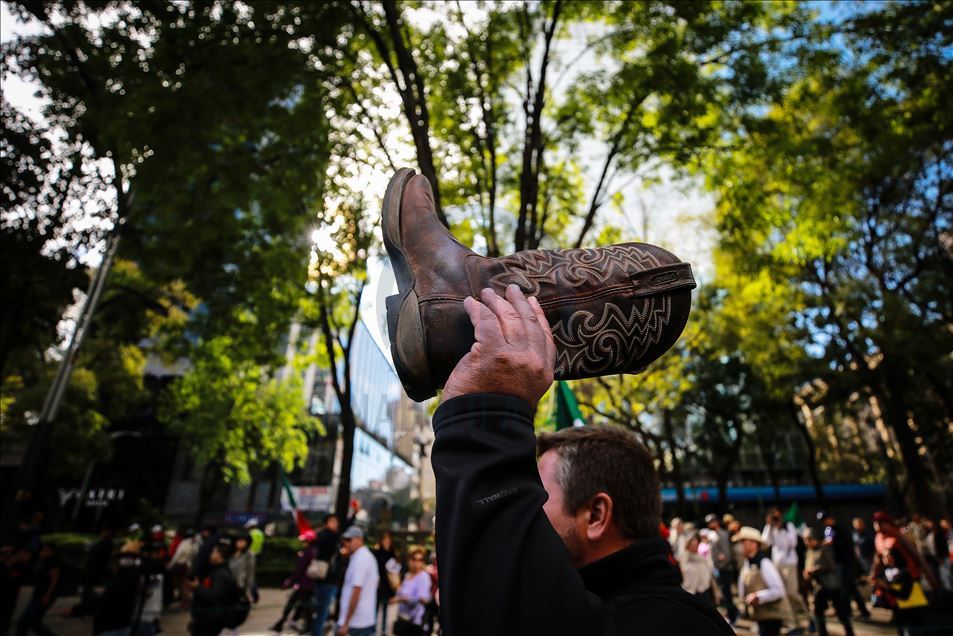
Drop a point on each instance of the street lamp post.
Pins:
(27, 476)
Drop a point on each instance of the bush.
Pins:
(72, 548)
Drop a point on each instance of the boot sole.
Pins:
(404, 327)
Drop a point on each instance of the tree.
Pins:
(666, 71)
(842, 188)
(338, 277)
(235, 416)
(210, 115)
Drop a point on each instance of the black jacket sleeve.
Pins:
(503, 569)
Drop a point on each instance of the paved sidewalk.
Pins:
(174, 622)
(267, 611)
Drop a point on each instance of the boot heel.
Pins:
(405, 332)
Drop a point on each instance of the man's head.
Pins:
(220, 553)
(603, 490)
(750, 540)
(712, 521)
(331, 522)
(694, 540)
(858, 524)
(812, 538)
(352, 539)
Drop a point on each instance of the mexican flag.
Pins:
(300, 519)
(567, 413)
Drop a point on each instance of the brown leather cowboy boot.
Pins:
(611, 309)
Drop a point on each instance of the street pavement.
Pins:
(268, 609)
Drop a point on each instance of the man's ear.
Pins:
(600, 513)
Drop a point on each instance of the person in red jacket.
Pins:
(888, 538)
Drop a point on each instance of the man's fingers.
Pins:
(510, 321)
(534, 336)
(486, 326)
(547, 331)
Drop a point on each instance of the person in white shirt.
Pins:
(359, 594)
(760, 585)
(697, 570)
(782, 537)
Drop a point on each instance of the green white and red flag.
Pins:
(300, 519)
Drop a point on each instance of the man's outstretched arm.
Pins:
(503, 569)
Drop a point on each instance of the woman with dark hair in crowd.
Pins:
(242, 565)
(894, 582)
(216, 599)
(412, 596)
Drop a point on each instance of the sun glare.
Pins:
(323, 239)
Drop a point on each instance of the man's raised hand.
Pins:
(513, 352)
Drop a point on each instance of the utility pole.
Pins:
(29, 476)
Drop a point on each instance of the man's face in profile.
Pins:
(570, 528)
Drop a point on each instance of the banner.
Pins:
(310, 498)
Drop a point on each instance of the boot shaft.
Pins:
(609, 308)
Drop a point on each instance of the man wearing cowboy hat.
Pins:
(760, 585)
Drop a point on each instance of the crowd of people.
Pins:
(130, 578)
(787, 574)
(342, 586)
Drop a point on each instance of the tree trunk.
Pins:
(765, 448)
(722, 479)
(533, 143)
(342, 501)
(414, 99)
(273, 489)
(206, 487)
(811, 455)
(252, 491)
(895, 415)
(893, 483)
(678, 479)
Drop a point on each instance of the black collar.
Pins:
(644, 563)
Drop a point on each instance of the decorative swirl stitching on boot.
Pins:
(532, 269)
(588, 346)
